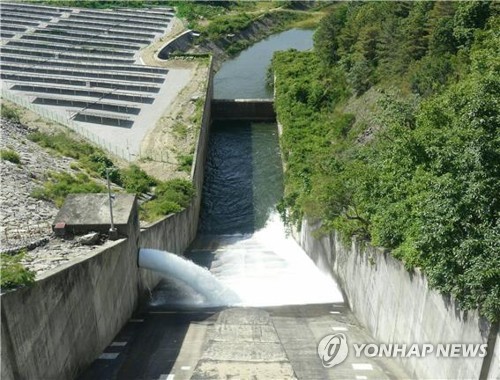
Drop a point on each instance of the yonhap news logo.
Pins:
(333, 349)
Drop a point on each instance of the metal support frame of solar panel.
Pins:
(16, 21)
(14, 28)
(128, 12)
(47, 68)
(33, 7)
(47, 11)
(10, 10)
(13, 24)
(102, 36)
(160, 23)
(28, 17)
(125, 18)
(149, 11)
(112, 94)
(89, 103)
(45, 45)
(92, 83)
(143, 78)
(86, 117)
(128, 19)
(71, 57)
(119, 25)
(109, 30)
(25, 17)
(76, 64)
(73, 73)
(88, 41)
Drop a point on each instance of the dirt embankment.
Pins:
(169, 146)
(223, 48)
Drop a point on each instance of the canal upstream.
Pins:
(283, 305)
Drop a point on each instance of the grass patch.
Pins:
(10, 155)
(60, 184)
(170, 196)
(198, 112)
(10, 113)
(180, 130)
(64, 144)
(13, 273)
(185, 162)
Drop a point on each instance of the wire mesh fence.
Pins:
(68, 122)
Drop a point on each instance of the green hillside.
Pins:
(391, 133)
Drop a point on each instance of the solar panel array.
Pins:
(83, 63)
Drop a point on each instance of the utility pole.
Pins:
(113, 234)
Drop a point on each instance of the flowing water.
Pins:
(248, 257)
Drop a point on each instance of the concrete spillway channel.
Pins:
(83, 67)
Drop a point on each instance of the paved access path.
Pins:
(237, 343)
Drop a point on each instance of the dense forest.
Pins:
(391, 133)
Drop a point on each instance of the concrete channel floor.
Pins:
(237, 343)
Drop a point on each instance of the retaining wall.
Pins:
(180, 43)
(57, 327)
(243, 109)
(398, 307)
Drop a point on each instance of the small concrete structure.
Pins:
(83, 213)
(243, 109)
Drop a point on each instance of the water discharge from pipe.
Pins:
(194, 276)
(264, 268)
(241, 237)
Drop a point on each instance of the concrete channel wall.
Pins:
(398, 307)
(57, 327)
(180, 43)
(244, 109)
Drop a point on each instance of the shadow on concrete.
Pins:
(149, 344)
(153, 343)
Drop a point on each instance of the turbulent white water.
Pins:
(266, 268)
(269, 268)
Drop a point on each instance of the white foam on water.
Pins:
(273, 270)
(266, 268)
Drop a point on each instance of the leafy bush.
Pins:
(99, 163)
(223, 25)
(170, 196)
(59, 185)
(13, 273)
(10, 155)
(135, 180)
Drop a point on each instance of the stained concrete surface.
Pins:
(237, 343)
